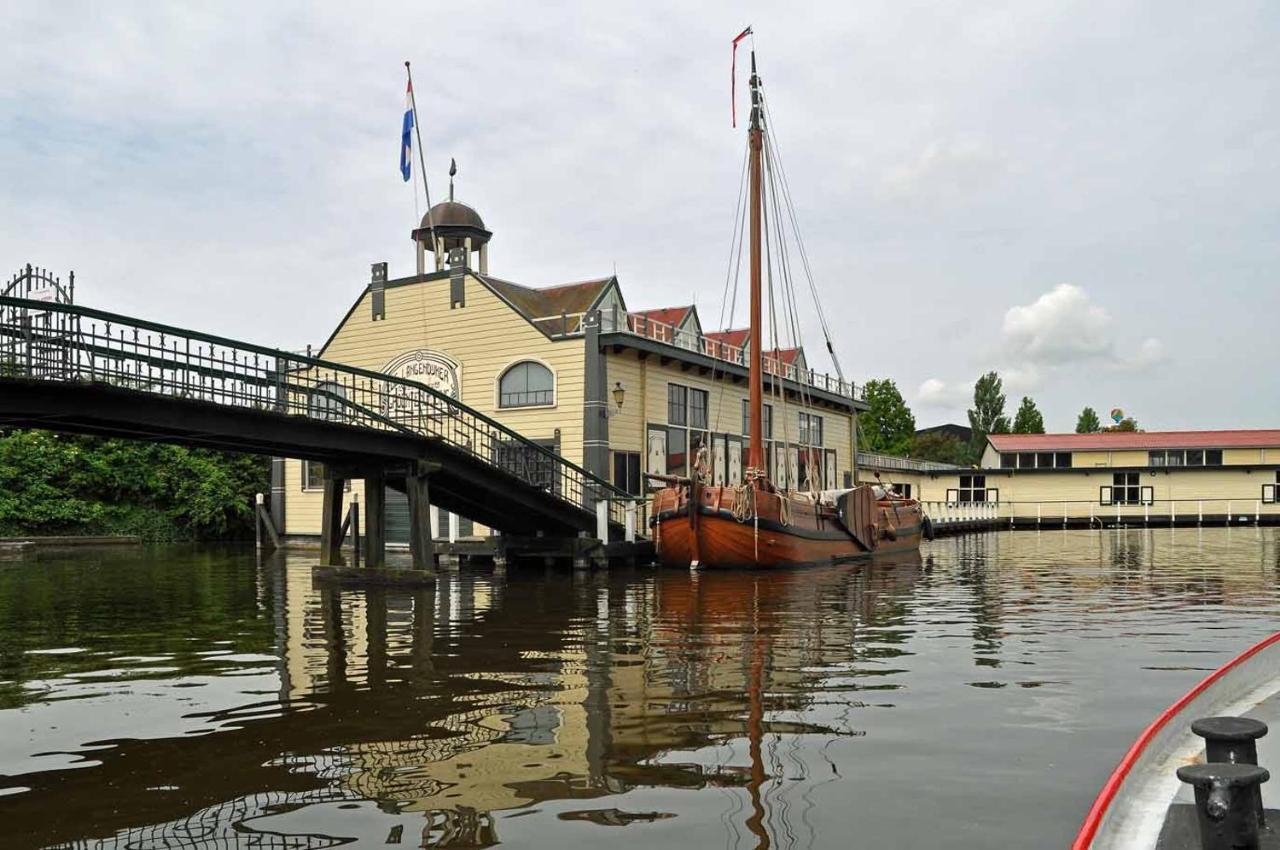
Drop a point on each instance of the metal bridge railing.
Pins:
(71, 344)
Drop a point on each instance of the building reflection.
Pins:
(423, 716)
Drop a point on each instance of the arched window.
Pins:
(526, 384)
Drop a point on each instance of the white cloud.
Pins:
(942, 394)
(944, 169)
(1061, 326)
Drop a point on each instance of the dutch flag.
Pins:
(406, 135)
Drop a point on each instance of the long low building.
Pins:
(1142, 476)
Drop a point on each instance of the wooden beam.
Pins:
(331, 532)
(421, 546)
(375, 522)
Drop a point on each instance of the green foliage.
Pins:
(943, 448)
(1088, 422)
(888, 426)
(54, 484)
(987, 414)
(1126, 424)
(1028, 419)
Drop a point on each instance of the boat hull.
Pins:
(813, 534)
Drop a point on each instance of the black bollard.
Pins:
(1225, 803)
(1234, 740)
(1231, 739)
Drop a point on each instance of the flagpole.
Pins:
(422, 160)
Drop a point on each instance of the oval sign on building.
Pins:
(433, 368)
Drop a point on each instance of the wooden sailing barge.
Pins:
(755, 523)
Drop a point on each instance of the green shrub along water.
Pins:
(55, 484)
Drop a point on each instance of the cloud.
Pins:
(943, 170)
(942, 394)
(1065, 327)
(1061, 326)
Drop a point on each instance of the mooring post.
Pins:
(421, 545)
(257, 522)
(331, 521)
(630, 533)
(375, 523)
(602, 520)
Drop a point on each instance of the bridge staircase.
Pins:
(78, 370)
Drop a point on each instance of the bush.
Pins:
(54, 484)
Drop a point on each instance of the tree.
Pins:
(1028, 419)
(888, 426)
(1126, 424)
(943, 448)
(1088, 423)
(987, 414)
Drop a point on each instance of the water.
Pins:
(977, 697)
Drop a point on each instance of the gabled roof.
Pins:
(786, 355)
(1136, 440)
(736, 338)
(543, 307)
(673, 316)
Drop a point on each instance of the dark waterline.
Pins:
(976, 697)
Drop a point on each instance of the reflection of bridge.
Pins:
(68, 368)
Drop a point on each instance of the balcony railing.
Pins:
(637, 324)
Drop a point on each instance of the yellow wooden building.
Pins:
(1144, 476)
(620, 391)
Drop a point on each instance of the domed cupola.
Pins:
(452, 226)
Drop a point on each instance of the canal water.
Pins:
(976, 697)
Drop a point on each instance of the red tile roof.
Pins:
(666, 315)
(1109, 440)
(736, 338)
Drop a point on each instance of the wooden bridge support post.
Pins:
(421, 546)
(375, 522)
(331, 533)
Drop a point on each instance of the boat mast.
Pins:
(755, 136)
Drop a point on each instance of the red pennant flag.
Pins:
(733, 75)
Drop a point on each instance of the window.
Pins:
(1062, 460)
(766, 420)
(810, 429)
(1125, 489)
(1008, 460)
(1271, 492)
(626, 472)
(526, 384)
(1026, 460)
(312, 474)
(903, 490)
(677, 451)
(1189, 457)
(973, 488)
(677, 405)
(698, 409)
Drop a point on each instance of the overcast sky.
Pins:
(1084, 196)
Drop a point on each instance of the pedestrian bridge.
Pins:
(79, 370)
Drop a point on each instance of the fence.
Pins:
(637, 324)
(75, 345)
(1049, 514)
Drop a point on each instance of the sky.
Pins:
(1084, 197)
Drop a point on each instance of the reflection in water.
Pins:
(975, 697)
